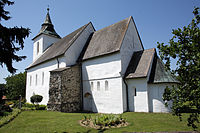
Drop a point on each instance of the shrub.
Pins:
(108, 120)
(28, 106)
(4, 120)
(41, 107)
(104, 121)
(5, 109)
(36, 99)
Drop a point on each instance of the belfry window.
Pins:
(38, 47)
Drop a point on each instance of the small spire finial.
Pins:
(48, 8)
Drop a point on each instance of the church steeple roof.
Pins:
(47, 27)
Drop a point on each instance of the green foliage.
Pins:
(16, 103)
(4, 120)
(184, 47)
(103, 120)
(4, 108)
(16, 86)
(36, 99)
(41, 107)
(9, 37)
(28, 106)
(50, 122)
(108, 120)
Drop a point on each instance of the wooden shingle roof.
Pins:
(107, 40)
(144, 61)
(59, 48)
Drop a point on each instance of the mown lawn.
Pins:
(50, 122)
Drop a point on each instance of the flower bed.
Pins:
(102, 121)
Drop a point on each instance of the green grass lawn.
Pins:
(50, 122)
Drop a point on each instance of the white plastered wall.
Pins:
(69, 58)
(74, 50)
(130, 44)
(102, 69)
(138, 103)
(42, 86)
(44, 42)
(156, 104)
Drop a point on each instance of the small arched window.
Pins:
(106, 85)
(42, 78)
(98, 85)
(36, 79)
(30, 80)
(92, 86)
(38, 47)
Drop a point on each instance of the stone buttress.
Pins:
(65, 89)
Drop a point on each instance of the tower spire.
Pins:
(47, 27)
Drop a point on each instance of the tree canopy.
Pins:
(11, 39)
(16, 86)
(184, 47)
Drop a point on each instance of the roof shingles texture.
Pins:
(140, 65)
(59, 48)
(107, 40)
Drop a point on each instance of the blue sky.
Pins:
(154, 19)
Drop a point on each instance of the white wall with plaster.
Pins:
(73, 52)
(98, 70)
(138, 102)
(44, 41)
(37, 81)
(156, 104)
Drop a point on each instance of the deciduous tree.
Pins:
(184, 47)
(16, 86)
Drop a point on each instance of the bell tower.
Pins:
(45, 38)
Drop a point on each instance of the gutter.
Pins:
(58, 63)
(127, 99)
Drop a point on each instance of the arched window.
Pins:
(38, 47)
(92, 86)
(36, 79)
(42, 78)
(106, 85)
(30, 80)
(98, 85)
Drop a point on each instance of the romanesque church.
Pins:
(105, 71)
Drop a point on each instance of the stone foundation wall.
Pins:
(65, 90)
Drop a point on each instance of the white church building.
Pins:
(105, 71)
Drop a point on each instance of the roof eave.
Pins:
(31, 66)
(47, 35)
(84, 59)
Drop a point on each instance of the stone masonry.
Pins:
(65, 89)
